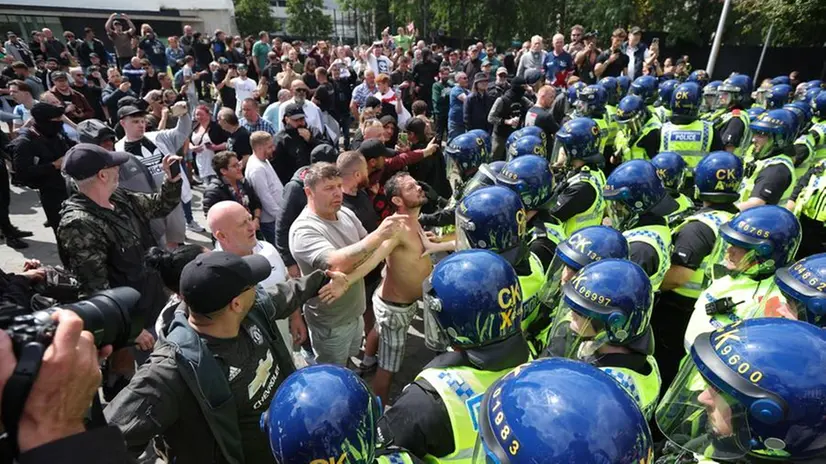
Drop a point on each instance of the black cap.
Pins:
(294, 111)
(213, 279)
(59, 75)
(129, 110)
(84, 160)
(323, 153)
(374, 148)
(42, 112)
(372, 102)
(53, 60)
(94, 131)
(416, 126)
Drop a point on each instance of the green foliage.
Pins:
(253, 16)
(798, 22)
(305, 18)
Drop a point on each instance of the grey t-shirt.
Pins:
(311, 240)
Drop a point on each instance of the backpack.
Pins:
(178, 79)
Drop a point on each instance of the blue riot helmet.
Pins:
(591, 101)
(580, 139)
(734, 91)
(468, 152)
(810, 94)
(671, 170)
(476, 300)
(558, 410)
(802, 292)
(632, 114)
(492, 218)
(699, 77)
(531, 178)
(710, 94)
(818, 105)
(803, 113)
(321, 412)
(756, 242)
(778, 96)
(750, 390)
(623, 84)
(612, 90)
(645, 87)
(585, 246)
(484, 177)
(573, 91)
(754, 112)
(772, 132)
(526, 145)
(686, 101)
(717, 177)
(633, 189)
(484, 135)
(781, 80)
(815, 83)
(535, 131)
(608, 302)
(665, 91)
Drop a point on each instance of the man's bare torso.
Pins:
(406, 268)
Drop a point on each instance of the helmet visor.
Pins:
(434, 337)
(575, 335)
(482, 454)
(777, 303)
(483, 178)
(760, 95)
(724, 99)
(558, 156)
(631, 127)
(463, 226)
(621, 216)
(557, 274)
(735, 259)
(702, 419)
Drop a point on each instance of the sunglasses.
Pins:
(301, 90)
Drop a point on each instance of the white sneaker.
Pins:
(194, 226)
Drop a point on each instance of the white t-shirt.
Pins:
(243, 89)
(265, 249)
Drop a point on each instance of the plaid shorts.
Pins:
(392, 323)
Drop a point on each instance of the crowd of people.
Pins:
(615, 258)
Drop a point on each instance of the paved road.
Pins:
(27, 214)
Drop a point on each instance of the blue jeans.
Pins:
(268, 231)
(187, 211)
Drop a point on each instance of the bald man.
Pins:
(312, 114)
(541, 114)
(234, 232)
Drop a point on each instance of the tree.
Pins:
(253, 16)
(796, 23)
(306, 18)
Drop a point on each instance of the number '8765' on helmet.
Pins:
(558, 410)
(475, 298)
(320, 413)
(751, 389)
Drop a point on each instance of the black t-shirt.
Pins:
(771, 183)
(542, 118)
(310, 80)
(254, 375)
(732, 133)
(239, 142)
(573, 200)
(226, 92)
(613, 69)
(692, 244)
(650, 142)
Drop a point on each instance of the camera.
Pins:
(107, 315)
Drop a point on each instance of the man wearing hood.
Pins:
(38, 153)
(507, 113)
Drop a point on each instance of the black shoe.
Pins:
(17, 233)
(16, 243)
(46, 224)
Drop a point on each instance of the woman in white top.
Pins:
(207, 139)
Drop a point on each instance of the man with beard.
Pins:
(38, 153)
(293, 144)
(396, 299)
(116, 89)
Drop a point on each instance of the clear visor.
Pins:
(434, 337)
(463, 226)
(760, 95)
(558, 156)
(777, 303)
(701, 419)
(732, 260)
(483, 178)
(582, 107)
(630, 127)
(558, 274)
(575, 336)
(723, 100)
(482, 454)
(621, 217)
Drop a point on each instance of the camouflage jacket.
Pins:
(105, 248)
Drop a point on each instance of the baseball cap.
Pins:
(241, 66)
(294, 111)
(486, 62)
(374, 148)
(84, 160)
(213, 279)
(94, 131)
(57, 75)
(223, 60)
(129, 110)
(93, 55)
(501, 70)
(323, 153)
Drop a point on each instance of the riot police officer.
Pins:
(699, 77)
(716, 181)
(445, 218)
(526, 145)
(662, 108)
(671, 169)
(557, 410)
(748, 394)
(810, 147)
(807, 203)
(645, 87)
(612, 92)
(685, 134)
(708, 108)
(733, 122)
(327, 412)
(749, 249)
(611, 330)
(465, 153)
(639, 131)
(637, 206)
(484, 135)
(802, 295)
(475, 297)
(492, 218)
(769, 172)
(591, 101)
(778, 95)
(623, 84)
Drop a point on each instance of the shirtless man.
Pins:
(395, 300)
